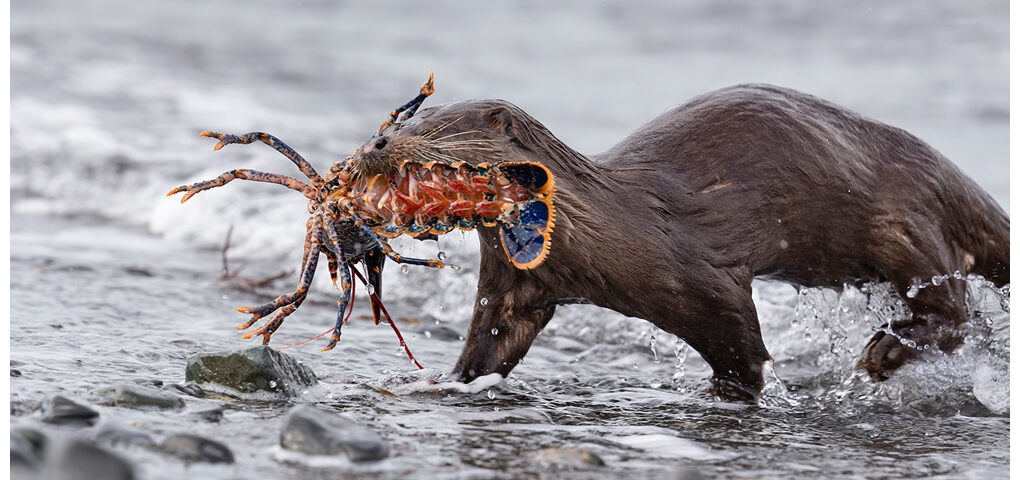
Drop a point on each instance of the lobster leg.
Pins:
(302, 164)
(396, 257)
(410, 107)
(307, 273)
(334, 265)
(345, 283)
(244, 174)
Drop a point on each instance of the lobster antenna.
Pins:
(409, 108)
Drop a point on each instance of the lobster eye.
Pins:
(381, 143)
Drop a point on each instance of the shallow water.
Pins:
(111, 282)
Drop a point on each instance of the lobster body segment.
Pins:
(430, 198)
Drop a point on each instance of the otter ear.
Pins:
(499, 118)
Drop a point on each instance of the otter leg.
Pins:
(936, 312)
(718, 319)
(505, 323)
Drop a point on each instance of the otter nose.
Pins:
(378, 144)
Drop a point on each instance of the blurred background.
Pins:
(108, 98)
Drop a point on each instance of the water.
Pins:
(112, 282)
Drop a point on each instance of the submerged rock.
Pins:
(60, 409)
(193, 448)
(251, 370)
(80, 460)
(570, 457)
(134, 396)
(310, 430)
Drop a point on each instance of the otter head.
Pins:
(472, 132)
(473, 170)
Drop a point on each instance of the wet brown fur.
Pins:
(671, 224)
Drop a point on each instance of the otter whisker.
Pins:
(440, 139)
(429, 133)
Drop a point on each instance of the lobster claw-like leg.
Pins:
(336, 246)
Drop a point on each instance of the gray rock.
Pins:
(117, 436)
(251, 370)
(27, 448)
(211, 414)
(193, 448)
(80, 460)
(570, 457)
(60, 409)
(310, 430)
(135, 396)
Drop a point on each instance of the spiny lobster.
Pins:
(356, 207)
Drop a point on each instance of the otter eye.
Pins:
(381, 143)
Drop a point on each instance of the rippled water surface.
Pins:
(111, 282)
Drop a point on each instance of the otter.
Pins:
(673, 223)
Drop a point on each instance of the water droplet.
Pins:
(783, 244)
(484, 301)
(937, 280)
(651, 345)
(491, 394)
(655, 384)
(428, 334)
(460, 337)
(442, 256)
(912, 291)
(454, 267)
(404, 269)
(224, 297)
(272, 384)
(370, 288)
(495, 331)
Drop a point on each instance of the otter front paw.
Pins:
(884, 354)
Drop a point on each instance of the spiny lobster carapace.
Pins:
(430, 192)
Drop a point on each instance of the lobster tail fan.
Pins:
(527, 241)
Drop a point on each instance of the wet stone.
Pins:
(568, 457)
(60, 409)
(211, 414)
(193, 448)
(310, 430)
(251, 370)
(117, 436)
(190, 389)
(27, 448)
(82, 460)
(135, 396)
